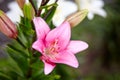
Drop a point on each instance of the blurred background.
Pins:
(101, 61)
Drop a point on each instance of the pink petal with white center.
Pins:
(48, 67)
(66, 57)
(38, 45)
(41, 27)
(77, 46)
(61, 33)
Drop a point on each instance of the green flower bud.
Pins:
(28, 11)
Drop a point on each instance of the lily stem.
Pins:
(36, 11)
(44, 2)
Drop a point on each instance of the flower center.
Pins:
(52, 49)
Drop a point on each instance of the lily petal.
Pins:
(48, 67)
(77, 46)
(38, 45)
(61, 33)
(97, 3)
(41, 27)
(90, 15)
(66, 57)
(100, 12)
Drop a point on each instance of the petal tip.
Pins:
(84, 45)
(76, 65)
(48, 67)
(46, 73)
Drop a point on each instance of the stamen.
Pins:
(52, 49)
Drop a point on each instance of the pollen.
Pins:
(53, 48)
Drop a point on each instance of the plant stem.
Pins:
(36, 11)
(54, 4)
(56, 1)
(44, 2)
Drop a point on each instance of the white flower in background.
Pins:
(93, 6)
(64, 9)
(15, 12)
(39, 3)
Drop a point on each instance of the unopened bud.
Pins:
(77, 17)
(28, 11)
(21, 3)
(7, 26)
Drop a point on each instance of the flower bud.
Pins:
(77, 17)
(7, 26)
(21, 3)
(28, 11)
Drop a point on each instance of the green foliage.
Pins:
(49, 13)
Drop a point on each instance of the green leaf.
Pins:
(10, 67)
(20, 60)
(4, 76)
(19, 48)
(25, 24)
(26, 34)
(37, 68)
(21, 38)
(48, 15)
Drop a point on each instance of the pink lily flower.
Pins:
(55, 45)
